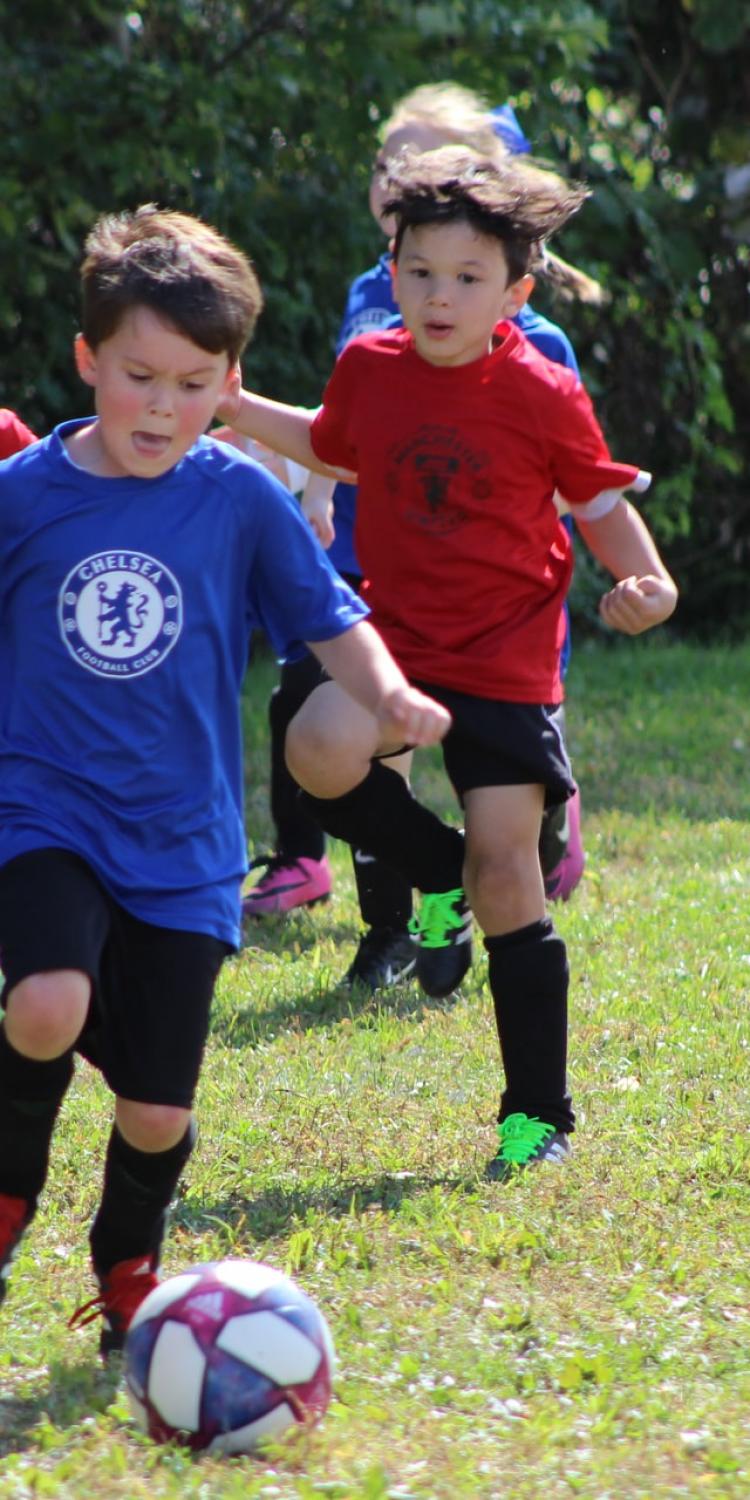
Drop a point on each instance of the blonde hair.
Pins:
(465, 118)
(461, 114)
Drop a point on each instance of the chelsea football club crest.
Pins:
(120, 613)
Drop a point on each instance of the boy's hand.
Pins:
(635, 604)
(407, 715)
(318, 511)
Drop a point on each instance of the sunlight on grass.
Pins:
(582, 1332)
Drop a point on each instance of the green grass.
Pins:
(582, 1332)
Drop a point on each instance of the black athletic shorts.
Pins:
(152, 986)
(493, 743)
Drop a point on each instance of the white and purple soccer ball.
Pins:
(225, 1354)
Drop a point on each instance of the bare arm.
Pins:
(644, 594)
(363, 666)
(285, 429)
(317, 507)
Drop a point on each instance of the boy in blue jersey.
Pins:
(138, 556)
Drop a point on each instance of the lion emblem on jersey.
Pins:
(120, 613)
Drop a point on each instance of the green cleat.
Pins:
(443, 933)
(524, 1141)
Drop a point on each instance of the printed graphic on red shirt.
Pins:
(432, 469)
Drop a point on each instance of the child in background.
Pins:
(298, 872)
(14, 434)
(138, 557)
(462, 436)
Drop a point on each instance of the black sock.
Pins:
(138, 1189)
(529, 983)
(31, 1093)
(385, 899)
(383, 816)
(298, 834)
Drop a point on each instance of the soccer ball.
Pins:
(225, 1354)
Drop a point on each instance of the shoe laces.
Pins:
(521, 1137)
(120, 1294)
(438, 917)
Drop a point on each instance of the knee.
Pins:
(309, 746)
(151, 1127)
(493, 877)
(46, 1012)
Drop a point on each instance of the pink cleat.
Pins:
(560, 882)
(287, 883)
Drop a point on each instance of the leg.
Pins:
(298, 873)
(527, 969)
(330, 746)
(386, 951)
(560, 846)
(44, 1015)
(157, 986)
(561, 850)
(149, 1147)
(297, 832)
(53, 923)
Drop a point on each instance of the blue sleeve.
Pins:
(343, 333)
(556, 345)
(548, 337)
(294, 593)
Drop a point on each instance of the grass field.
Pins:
(581, 1332)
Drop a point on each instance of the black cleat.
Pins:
(443, 932)
(384, 957)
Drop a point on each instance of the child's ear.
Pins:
(233, 382)
(232, 387)
(517, 295)
(85, 359)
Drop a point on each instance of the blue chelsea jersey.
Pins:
(127, 607)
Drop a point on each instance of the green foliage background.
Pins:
(261, 115)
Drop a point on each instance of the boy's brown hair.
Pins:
(512, 200)
(180, 268)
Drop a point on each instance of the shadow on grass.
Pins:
(272, 1212)
(69, 1392)
(293, 930)
(305, 1011)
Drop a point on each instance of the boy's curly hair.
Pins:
(510, 200)
(174, 264)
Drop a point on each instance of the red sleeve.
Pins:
(331, 433)
(587, 478)
(14, 434)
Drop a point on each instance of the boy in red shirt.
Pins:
(465, 439)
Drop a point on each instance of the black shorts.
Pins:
(493, 743)
(152, 986)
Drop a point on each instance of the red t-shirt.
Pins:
(14, 434)
(465, 559)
